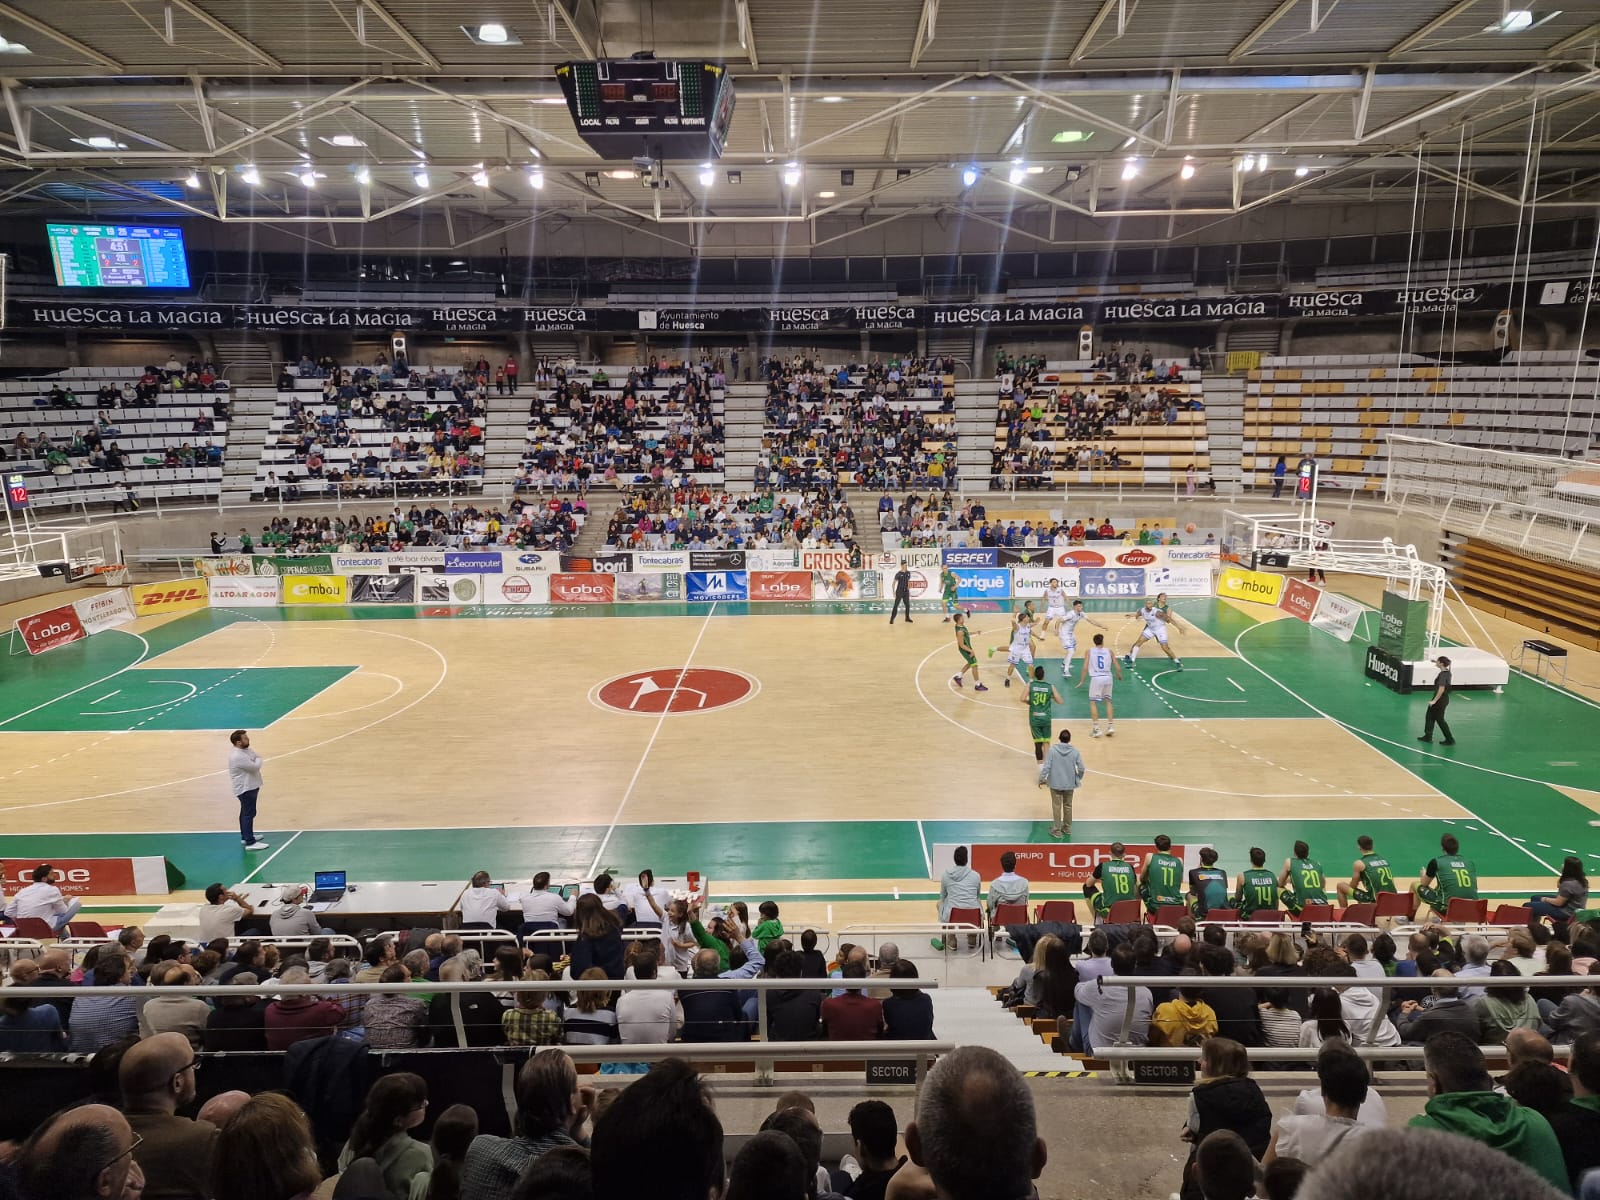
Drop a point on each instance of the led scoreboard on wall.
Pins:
(120, 256)
(16, 492)
(660, 108)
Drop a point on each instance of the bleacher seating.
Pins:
(1479, 269)
(1339, 407)
(1533, 590)
(146, 432)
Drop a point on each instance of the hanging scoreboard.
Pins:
(667, 109)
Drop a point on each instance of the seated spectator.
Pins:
(1280, 1024)
(1475, 949)
(974, 1136)
(852, 1016)
(481, 1014)
(1442, 1010)
(265, 1150)
(813, 963)
(907, 1012)
(551, 1112)
(453, 1132)
(299, 1017)
(1224, 1098)
(1421, 1164)
(800, 1124)
(43, 899)
(1577, 1124)
(1576, 1014)
(529, 1022)
(98, 1021)
(665, 1117)
(874, 1132)
(599, 941)
(83, 1153)
(591, 1020)
(1007, 887)
(1343, 1080)
(1326, 1020)
(237, 1023)
(1186, 1021)
(654, 1016)
(769, 1166)
(157, 1076)
(220, 915)
(1224, 1168)
(1463, 1101)
(1100, 1010)
(396, 1104)
(395, 1020)
(291, 919)
(1501, 1010)
(1237, 1015)
(168, 1011)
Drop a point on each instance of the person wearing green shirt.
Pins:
(769, 929)
(1038, 698)
(1161, 881)
(1446, 877)
(1114, 880)
(1462, 1101)
(1302, 880)
(1208, 884)
(1369, 875)
(1257, 888)
(948, 583)
(246, 546)
(969, 660)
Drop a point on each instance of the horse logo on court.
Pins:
(676, 691)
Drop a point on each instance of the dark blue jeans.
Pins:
(1543, 908)
(247, 815)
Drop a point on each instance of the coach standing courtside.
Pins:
(1437, 705)
(902, 593)
(244, 770)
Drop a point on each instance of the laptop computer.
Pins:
(327, 886)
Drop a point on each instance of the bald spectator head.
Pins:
(84, 1153)
(54, 963)
(1421, 1164)
(1182, 946)
(856, 954)
(220, 1107)
(157, 1074)
(1528, 1045)
(707, 965)
(24, 970)
(974, 1130)
(888, 955)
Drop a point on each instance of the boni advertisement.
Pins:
(1259, 587)
(710, 586)
(105, 611)
(846, 585)
(383, 589)
(49, 629)
(1180, 579)
(243, 592)
(640, 587)
(315, 589)
(780, 585)
(568, 587)
(517, 588)
(1108, 583)
(1066, 863)
(981, 583)
(180, 595)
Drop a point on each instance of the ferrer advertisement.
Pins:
(315, 589)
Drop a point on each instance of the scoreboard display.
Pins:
(647, 107)
(16, 492)
(132, 256)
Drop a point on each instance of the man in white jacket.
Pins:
(1063, 771)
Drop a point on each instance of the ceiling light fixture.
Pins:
(491, 33)
(307, 175)
(192, 179)
(250, 175)
(363, 175)
(969, 176)
(481, 177)
(622, 173)
(791, 174)
(345, 141)
(1261, 163)
(420, 177)
(708, 176)
(1130, 140)
(830, 99)
(1186, 171)
(9, 47)
(826, 195)
(1130, 169)
(1036, 170)
(1069, 136)
(1301, 172)
(1513, 20)
(535, 178)
(100, 141)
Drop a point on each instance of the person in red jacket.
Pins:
(297, 1018)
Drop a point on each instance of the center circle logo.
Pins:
(672, 690)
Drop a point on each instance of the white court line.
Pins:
(1353, 731)
(926, 857)
(268, 860)
(1156, 678)
(342, 626)
(107, 696)
(119, 712)
(399, 686)
(1236, 684)
(143, 654)
(661, 721)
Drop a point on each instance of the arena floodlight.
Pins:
(969, 176)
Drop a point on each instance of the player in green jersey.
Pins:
(969, 660)
(1446, 877)
(1302, 880)
(1369, 875)
(1038, 698)
(1161, 881)
(1257, 888)
(1208, 884)
(1114, 880)
(948, 583)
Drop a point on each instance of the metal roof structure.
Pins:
(1007, 113)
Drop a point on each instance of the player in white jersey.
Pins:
(1098, 666)
(1068, 629)
(1156, 615)
(1055, 604)
(1019, 656)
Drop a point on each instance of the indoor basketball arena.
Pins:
(473, 475)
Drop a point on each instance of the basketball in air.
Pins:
(1189, 528)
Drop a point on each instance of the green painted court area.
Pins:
(1154, 689)
(189, 698)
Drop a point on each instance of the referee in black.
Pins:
(1437, 705)
(902, 593)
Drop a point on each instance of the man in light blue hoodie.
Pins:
(1063, 771)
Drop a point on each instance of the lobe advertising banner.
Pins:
(50, 629)
(780, 585)
(567, 587)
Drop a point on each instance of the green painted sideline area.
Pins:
(184, 698)
(728, 854)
